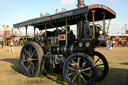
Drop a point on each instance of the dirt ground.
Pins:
(10, 70)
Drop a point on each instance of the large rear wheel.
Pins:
(30, 59)
(79, 69)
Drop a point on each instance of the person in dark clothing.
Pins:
(2, 43)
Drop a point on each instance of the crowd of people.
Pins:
(11, 43)
(15, 42)
(116, 42)
(110, 44)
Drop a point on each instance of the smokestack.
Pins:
(80, 3)
(41, 15)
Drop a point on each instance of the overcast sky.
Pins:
(14, 11)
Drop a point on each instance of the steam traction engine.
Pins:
(82, 65)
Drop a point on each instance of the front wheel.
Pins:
(79, 69)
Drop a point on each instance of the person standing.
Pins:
(111, 44)
(107, 44)
(11, 47)
(16, 43)
(2, 43)
(114, 43)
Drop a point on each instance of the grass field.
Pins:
(10, 70)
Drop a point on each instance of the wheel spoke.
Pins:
(84, 64)
(74, 78)
(27, 64)
(30, 50)
(34, 59)
(100, 65)
(83, 78)
(33, 65)
(87, 76)
(30, 70)
(28, 67)
(36, 64)
(71, 73)
(25, 60)
(86, 69)
(71, 68)
(79, 80)
(26, 53)
(78, 64)
(97, 60)
(33, 53)
(73, 62)
(33, 68)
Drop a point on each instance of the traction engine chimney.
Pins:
(80, 22)
(80, 3)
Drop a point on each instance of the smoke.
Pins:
(68, 2)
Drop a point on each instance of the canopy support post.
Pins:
(26, 32)
(34, 31)
(45, 30)
(66, 35)
(93, 19)
(108, 26)
(104, 23)
(88, 24)
(57, 34)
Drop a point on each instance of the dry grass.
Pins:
(118, 63)
(9, 71)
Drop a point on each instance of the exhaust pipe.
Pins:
(80, 3)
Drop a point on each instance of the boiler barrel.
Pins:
(67, 50)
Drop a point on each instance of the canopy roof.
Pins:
(72, 16)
